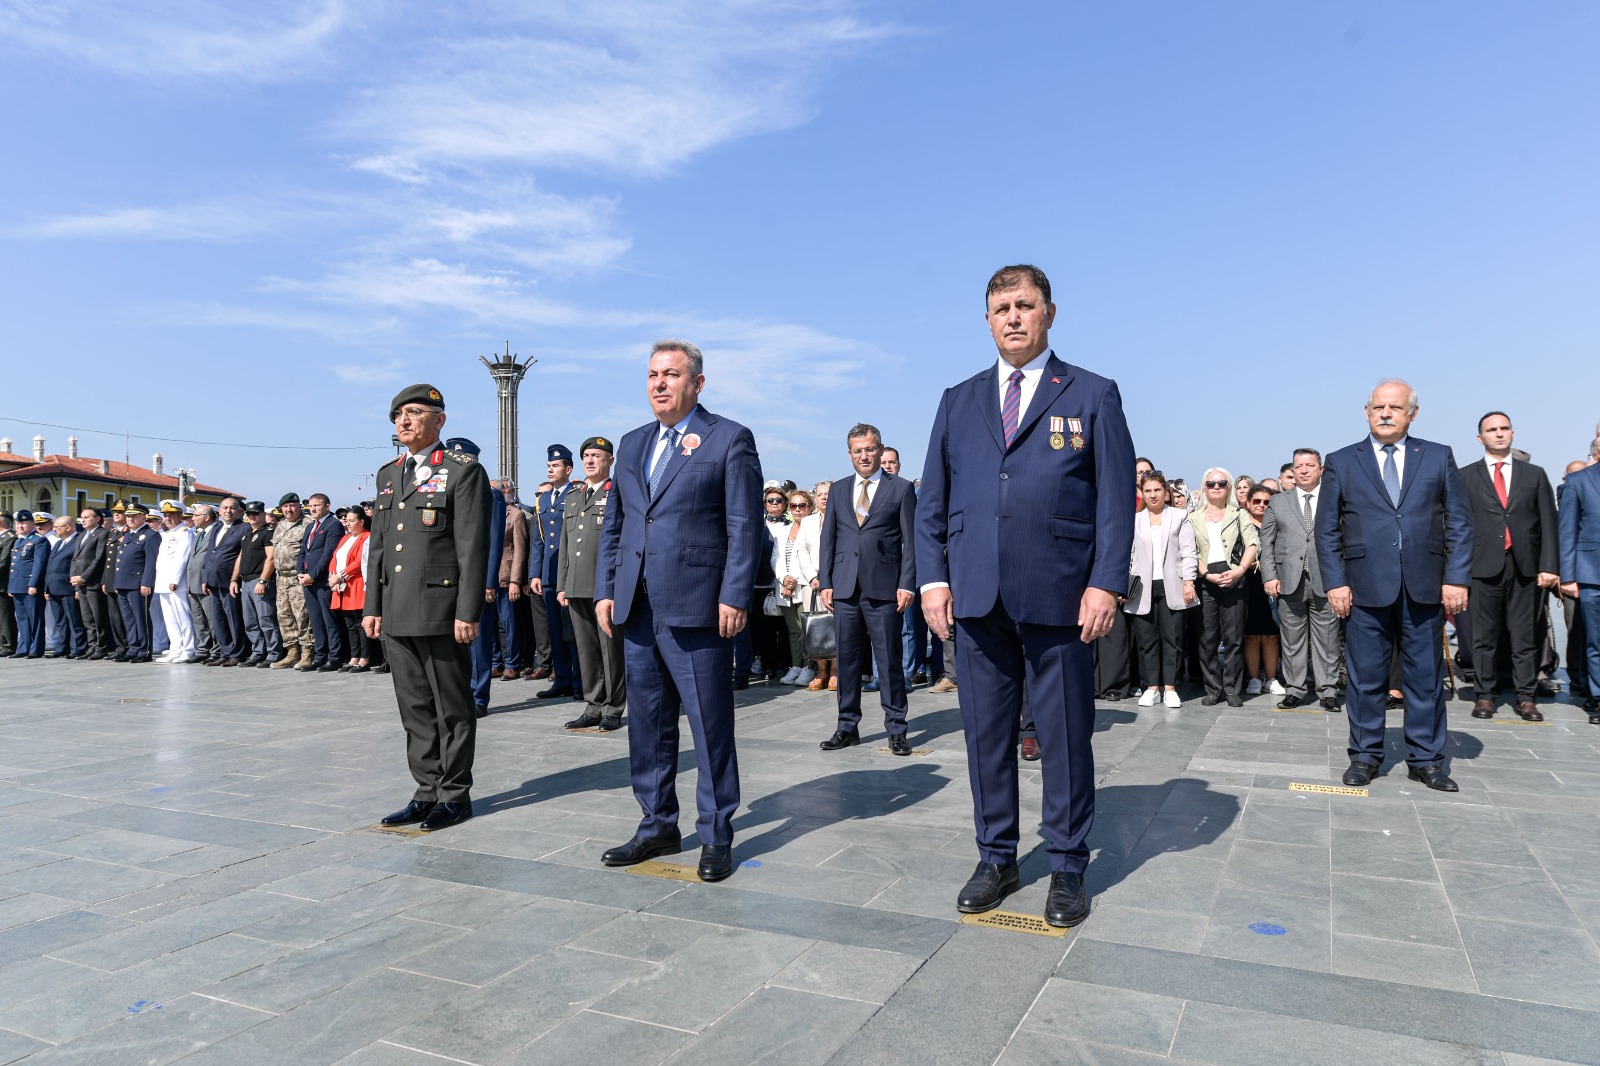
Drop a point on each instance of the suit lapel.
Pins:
(877, 498)
(1369, 463)
(1052, 383)
(701, 423)
(989, 405)
(1413, 469)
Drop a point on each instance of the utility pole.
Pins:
(507, 374)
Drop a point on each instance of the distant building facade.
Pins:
(66, 484)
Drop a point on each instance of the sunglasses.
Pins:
(799, 505)
(774, 499)
(1216, 484)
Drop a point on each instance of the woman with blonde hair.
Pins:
(1226, 545)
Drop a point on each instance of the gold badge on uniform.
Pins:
(1076, 425)
(429, 516)
(1057, 441)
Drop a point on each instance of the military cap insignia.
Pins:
(433, 394)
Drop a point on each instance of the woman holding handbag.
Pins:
(1161, 584)
(1226, 545)
(347, 579)
(794, 562)
(825, 678)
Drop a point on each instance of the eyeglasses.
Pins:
(1216, 484)
(413, 412)
(799, 505)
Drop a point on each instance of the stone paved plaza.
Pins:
(188, 873)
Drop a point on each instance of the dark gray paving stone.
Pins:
(1403, 963)
(385, 1054)
(1029, 1048)
(1153, 929)
(1575, 871)
(25, 907)
(84, 880)
(809, 919)
(121, 846)
(531, 877)
(1226, 1035)
(41, 976)
(1408, 911)
(1511, 893)
(578, 1038)
(1307, 922)
(1375, 853)
(848, 972)
(154, 1037)
(1204, 836)
(1476, 841)
(1281, 824)
(55, 932)
(649, 937)
(495, 949)
(147, 940)
(1180, 884)
(486, 1024)
(1285, 868)
(1139, 1021)
(781, 1027)
(1545, 964)
(308, 924)
(14, 1047)
(964, 1002)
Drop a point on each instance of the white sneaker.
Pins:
(1149, 698)
(788, 678)
(1254, 687)
(805, 677)
(1171, 699)
(1276, 688)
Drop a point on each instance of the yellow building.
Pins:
(66, 484)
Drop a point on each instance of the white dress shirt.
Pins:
(663, 436)
(872, 490)
(1505, 471)
(1316, 498)
(1399, 456)
(1032, 371)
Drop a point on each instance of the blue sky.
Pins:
(254, 222)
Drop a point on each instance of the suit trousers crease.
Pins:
(1309, 632)
(227, 616)
(432, 683)
(1413, 633)
(1588, 614)
(135, 621)
(1222, 619)
(119, 626)
(1507, 603)
(862, 623)
(1159, 636)
(66, 619)
(96, 628)
(666, 666)
(600, 661)
(327, 634)
(998, 657)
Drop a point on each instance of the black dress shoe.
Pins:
(308, 668)
(899, 745)
(553, 692)
(329, 667)
(415, 811)
(740, 684)
(1434, 777)
(97, 655)
(716, 862)
(229, 662)
(919, 678)
(264, 664)
(989, 884)
(1068, 901)
(1290, 702)
(611, 722)
(584, 721)
(445, 815)
(362, 669)
(1594, 717)
(1330, 704)
(641, 848)
(120, 657)
(840, 739)
(1209, 700)
(480, 712)
(1483, 709)
(1235, 701)
(1394, 703)
(1360, 774)
(52, 655)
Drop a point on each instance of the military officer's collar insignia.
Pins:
(607, 486)
(437, 457)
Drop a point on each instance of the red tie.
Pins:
(1505, 500)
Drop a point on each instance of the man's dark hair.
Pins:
(1308, 451)
(1490, 415)
(1009, 277)
(1142, 459)
(1284, 469)
(887, 449)
(320, 496)
(862, 429)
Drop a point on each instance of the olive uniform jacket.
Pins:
(580, 540)
(429, 547)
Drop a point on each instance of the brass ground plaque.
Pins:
(1330, 790)
(915, 751)
(1298, 710)
(134, 699)
(1017, 923)
(1511, 721)
(669, 870)
(589, 729)
(397, 831)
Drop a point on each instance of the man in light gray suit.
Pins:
(1289, 567)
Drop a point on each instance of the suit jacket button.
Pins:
(397, 568)
(1004, 476)
(397, 547)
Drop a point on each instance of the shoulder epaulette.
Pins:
(463, 458)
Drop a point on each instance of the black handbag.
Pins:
(818, 633)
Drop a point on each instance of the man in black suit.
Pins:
(1515, 559)
(866, 576)
(227, 614)
(87, 573)
(322, 538)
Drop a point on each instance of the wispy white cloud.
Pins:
(353, 329)
(390, 371)
(186, 222)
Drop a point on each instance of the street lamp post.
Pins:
(507, 374)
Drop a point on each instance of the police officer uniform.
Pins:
(544, 560)
(135, 578)
(108, 585)
(29, 557)
(599, 656)
(426, 561)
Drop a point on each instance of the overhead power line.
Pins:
(208, 443)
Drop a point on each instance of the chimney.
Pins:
(38, 448)
(105, 468)
(155, 462)
(72, 447)
(5, 445)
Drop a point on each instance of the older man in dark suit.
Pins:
(1580, 575)
(1023, 538)
(88, 571)
(1394, 539)
(678, 561)
(61, 605)
(867, 576)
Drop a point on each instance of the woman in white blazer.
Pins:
(1164, 565)
(794, 563)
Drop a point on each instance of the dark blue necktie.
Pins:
(660, 466)
(1391, 475)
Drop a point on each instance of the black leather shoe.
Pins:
(716, 862)
(641, 848)
(329, 667)
(899, 745)
(740, 684)
(919, 678)
(840, 739)
(1394, 703)
(97, 656)
(1330, 704)
(584, 721)
(1235, 701)
(415, 811)
(1434, 777)
(1594, 717)
(1360, 774)
(553, 692)
(446, 815)
(611, 722)
(989, 884)
(1210, 701)
(1290, 702)
(480, 712)
(1068, 901)
(264, 664)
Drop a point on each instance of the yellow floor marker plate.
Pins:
(669, 870)
(1017, 923)
(1328, 790)
(915, 751)
(396, 831)
(1298, 710)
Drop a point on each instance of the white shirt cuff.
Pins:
(935, 585)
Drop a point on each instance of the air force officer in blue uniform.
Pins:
(677, 562)
(30, 558)
(1394, 539)
(1024, 531)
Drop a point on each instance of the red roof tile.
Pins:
(55, 466)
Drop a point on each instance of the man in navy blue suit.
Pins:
(1023, 537)
(322, 539)
(866, 576)
(677, 563)
(1579, 519)
(1394, 540)
(61, 605)
(227, 613)
(544, 564)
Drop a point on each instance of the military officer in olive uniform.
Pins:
(426, 561)
(135, 581)
(544, 561)
(294, 619)
(599, 656)
(30, 555)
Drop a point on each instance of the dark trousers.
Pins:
(119, 627)
(356, 638)
(605, 687)
(533, 627)
(1113, 659)
(482, 655)
(325, 627)
(8, 625)
(914, 638)
(861, 623)
(998, 657)
(1159, 635)
(771, 638)
(66, 620)
(666, 666)
(205, 641)
(1589, 613)
(96, 626)
(1506, 603)
(1222, 615)
(507, 646)
(259, 614)
(1413, 632)
(227, 618)
(1577, 649)
(561, 656)
(30, 623)
(431, 677)
(135, 621)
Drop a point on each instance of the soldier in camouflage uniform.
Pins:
(294, 623)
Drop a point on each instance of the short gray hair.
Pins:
(697, 362)
(1411, 393)
(863, 429)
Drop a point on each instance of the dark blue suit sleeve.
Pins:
(610, 539)
(742, 508)
(1569, 517)
(152, 549)
(497, 537)
(933, 504)
(1330, 535)
(41, 563)
(908, 538)
(1457, 525)
(1113, 472)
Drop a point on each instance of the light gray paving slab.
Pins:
(1284, 868)
(156, 1035)
(1305, 921)
(649, 937)
(495, 949)
(25, 907)
(14, 1047)
(1511, 893)
(1405, 963)
(706, 979)
(1029, 1048)
(848, 972)
(579, 1037)
(1149, 928)
(84, 880)
(56, 931)
(807, 918)
(170, 932)
(1408, 911)
(1226, 1035)
(1542, 963)
(1139, 1021)
(780, 1027)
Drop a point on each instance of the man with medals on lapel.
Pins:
(426, 560)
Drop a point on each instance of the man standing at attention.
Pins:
(294, 620)
(1580, 576)
(427, 559)
(678, 560)
(599, 655)
(544, 563)
(88, 567)
(1289, 567)
(1394, 539)
(1023, 538)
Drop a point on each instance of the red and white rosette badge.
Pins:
(690, 443)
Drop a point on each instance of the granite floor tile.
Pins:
(25, 907)
(1180, 884)
(467, 906)
(1135, 925)
(1029, 1048)
(1575, 871)
(1380, 853)
(1404, 963)
(170, 932)
(1304, 941)
(14, 1047)
(55, 932)
(1228, 1036)
(495, 949)
(1407, 911)
(1286, 824)
(1542, 963)
(1201, 836)
(1510, 893)
(84, 880)
(155, 1037)
(1135, 1020)
(649, 937)
(847, 972)
(1284, 868)
(578, 1038)
(704, 980)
